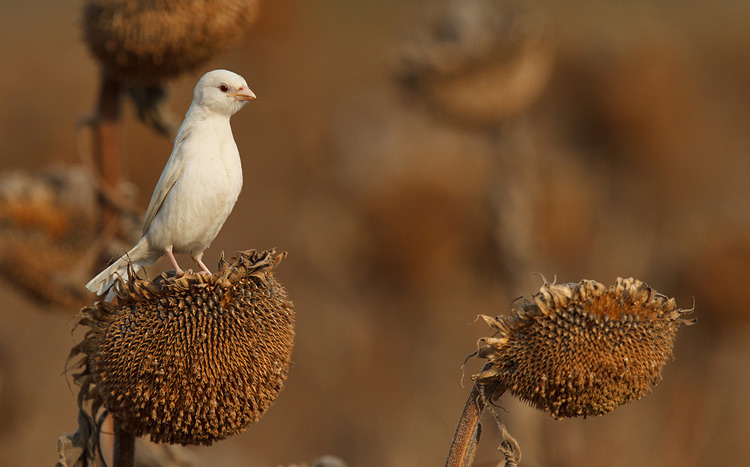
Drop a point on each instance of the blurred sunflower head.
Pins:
(148, 41)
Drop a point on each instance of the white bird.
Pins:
(198, 187)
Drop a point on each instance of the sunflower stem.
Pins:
(124, 448)
(107, 141)
(466, 438)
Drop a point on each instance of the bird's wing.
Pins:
(168, 178)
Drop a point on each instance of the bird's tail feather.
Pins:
(137, 257)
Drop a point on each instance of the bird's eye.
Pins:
(224, 88)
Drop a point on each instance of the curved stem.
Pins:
(466, 438)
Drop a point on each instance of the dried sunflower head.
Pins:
(147, 41)
(582, 349)
(190, 360)
(47, 224)
(477, 62)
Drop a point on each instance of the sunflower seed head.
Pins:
(147, 41)
(190, 360)
(477, 62)
(582, 349)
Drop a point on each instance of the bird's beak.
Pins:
(243, 94)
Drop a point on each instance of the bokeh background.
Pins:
(623, 151)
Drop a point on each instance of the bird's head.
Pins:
(222, 91)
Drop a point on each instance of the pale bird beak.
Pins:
(243, 94)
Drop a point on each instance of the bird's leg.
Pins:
(198, 258)
(177, 270)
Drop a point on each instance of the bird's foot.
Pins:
(199, 262)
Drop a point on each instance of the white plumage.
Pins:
(198, 187)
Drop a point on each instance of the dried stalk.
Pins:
(107, 141)
(124, 448)
(466, 438)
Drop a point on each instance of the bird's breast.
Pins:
(201, 199)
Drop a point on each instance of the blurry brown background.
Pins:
(402, 225)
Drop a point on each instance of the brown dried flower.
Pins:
(190, 360)
(582, 349)
(47, 220)
(147, 41)
(477, 62)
